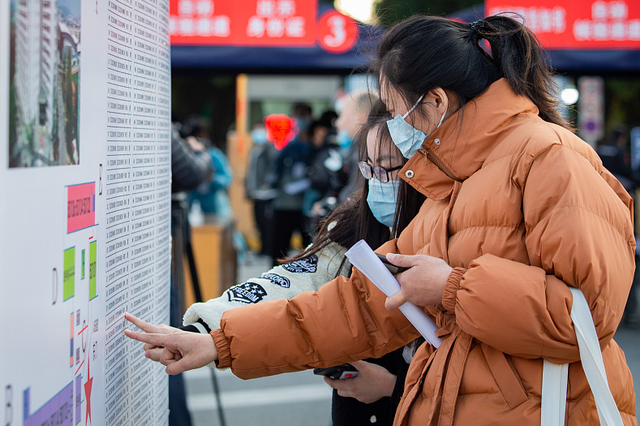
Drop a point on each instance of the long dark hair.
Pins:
(425, 52)
(352, 220)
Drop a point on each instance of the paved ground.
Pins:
(299, 399)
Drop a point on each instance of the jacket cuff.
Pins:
(223, 348)
(451, 288)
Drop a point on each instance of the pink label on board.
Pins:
(81, 206)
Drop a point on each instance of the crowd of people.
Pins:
(481, 190)
(293, 189)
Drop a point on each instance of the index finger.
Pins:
(142, 325)
(405, 260)
(164, 340)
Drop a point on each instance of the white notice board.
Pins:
(85, 198)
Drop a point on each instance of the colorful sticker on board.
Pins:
(92, 270)
(81, 206)
(69, 280)
(60, 408)
(71, 339)
(82, 268)
(78, 399)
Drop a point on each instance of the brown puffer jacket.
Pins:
(521, 209)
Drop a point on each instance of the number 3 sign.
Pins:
(337, 33)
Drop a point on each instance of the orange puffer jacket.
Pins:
(521, 209)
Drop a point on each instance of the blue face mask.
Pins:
(343, 139)
(259, 136)
(407, 138)
(382, 200)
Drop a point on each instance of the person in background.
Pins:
(211, 195)
(303, 115)
(616, 157)
(321, 170)
(291, 181)
(190, 167)
(342, 162)
(352, 116)
(259, 170)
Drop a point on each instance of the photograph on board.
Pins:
(44, 63)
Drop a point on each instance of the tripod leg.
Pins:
(193, 272)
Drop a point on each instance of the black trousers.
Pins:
(285, 222)
(263, 215)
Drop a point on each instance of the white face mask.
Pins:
(407, 138)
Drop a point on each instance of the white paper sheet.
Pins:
(362, 257)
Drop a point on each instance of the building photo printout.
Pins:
(43, 84)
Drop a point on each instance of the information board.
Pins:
(85, 198)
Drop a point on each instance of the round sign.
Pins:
(337, 33)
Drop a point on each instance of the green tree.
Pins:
(389, 12)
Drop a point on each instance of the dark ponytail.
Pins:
(517, 53)
(425, 52)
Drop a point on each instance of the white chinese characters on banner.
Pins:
(276, 19)
(609, 21)
(538, 19)
(197, 18)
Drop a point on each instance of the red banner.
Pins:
(570, 24)
(243, 22)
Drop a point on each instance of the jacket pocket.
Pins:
(505, 376)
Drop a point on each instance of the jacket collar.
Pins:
(460, 146)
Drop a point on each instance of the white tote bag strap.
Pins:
(555, 376)
(554, 393)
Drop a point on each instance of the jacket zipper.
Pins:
(439, 164)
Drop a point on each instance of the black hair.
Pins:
(328, 118)
(194, 126)
(316, 124)
(422, 53)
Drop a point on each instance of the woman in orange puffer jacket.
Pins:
(518, 210)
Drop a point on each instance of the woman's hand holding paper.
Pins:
(422, 284)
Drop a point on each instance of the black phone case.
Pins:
(336, 372)
(394, 269)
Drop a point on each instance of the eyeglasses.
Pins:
(382, 174)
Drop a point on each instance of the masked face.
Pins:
(259, 136)
(382, 199)
(382, 196)
(407, 138)
(343, 139)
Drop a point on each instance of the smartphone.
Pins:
(390, 266)
(344, 371)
